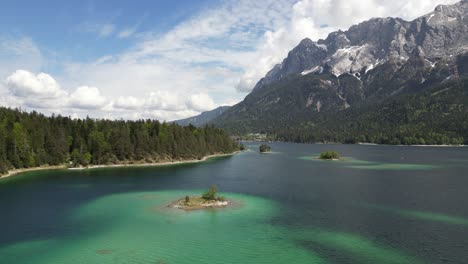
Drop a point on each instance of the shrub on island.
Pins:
(211, 194)
(209, 199)
(330, 155)
(264, 148)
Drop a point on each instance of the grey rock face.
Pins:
(439, 34)
(305, 56)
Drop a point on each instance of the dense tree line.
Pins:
(32, 139)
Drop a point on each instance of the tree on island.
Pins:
(211, 194)
(264, 148)
(330, 155)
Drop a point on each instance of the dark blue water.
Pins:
(379, 204)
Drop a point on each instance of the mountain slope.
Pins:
(439, 115)
(370, 63)
(203, 118)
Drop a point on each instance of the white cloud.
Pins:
(129, 103)
(168, 102)
(86, 97)
(163, 100)
(43, 92)
(37, 91)
(201, 103)
(25, 84)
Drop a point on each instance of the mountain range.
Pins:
(203, 118)
(364, 84)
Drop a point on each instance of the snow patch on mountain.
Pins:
(351, 59)
(316, 69)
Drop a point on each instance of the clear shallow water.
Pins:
(381, 204)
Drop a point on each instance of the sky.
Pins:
(158, 59)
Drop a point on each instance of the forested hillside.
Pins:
(32, 139)
(434, 117)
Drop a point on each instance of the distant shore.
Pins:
(165, 163)
(358, 143)
(400, 145)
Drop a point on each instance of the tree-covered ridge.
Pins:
(32, 139)
(439, 115)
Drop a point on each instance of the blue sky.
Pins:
(160, 59)
(69, 27)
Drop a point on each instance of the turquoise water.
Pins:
(388, 205)
(140, 228)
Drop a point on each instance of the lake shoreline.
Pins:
(15, 172)
(156, 164)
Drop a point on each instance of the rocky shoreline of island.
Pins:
(208, 200)
(199, 205)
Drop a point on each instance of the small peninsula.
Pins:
(209, 199)
(329, 155)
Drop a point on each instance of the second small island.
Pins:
(209, 199)
(264, 148)
(329, 155)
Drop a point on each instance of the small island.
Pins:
(207, 200)
(264, 148)
(329, 155)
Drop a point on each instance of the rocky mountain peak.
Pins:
(376, 61)
(437, 35)
(304, 56)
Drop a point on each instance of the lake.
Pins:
(380, 204)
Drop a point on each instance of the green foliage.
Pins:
(329, 155)
(187, 200)
(211, 193)
(264, 148)
(32, 139)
